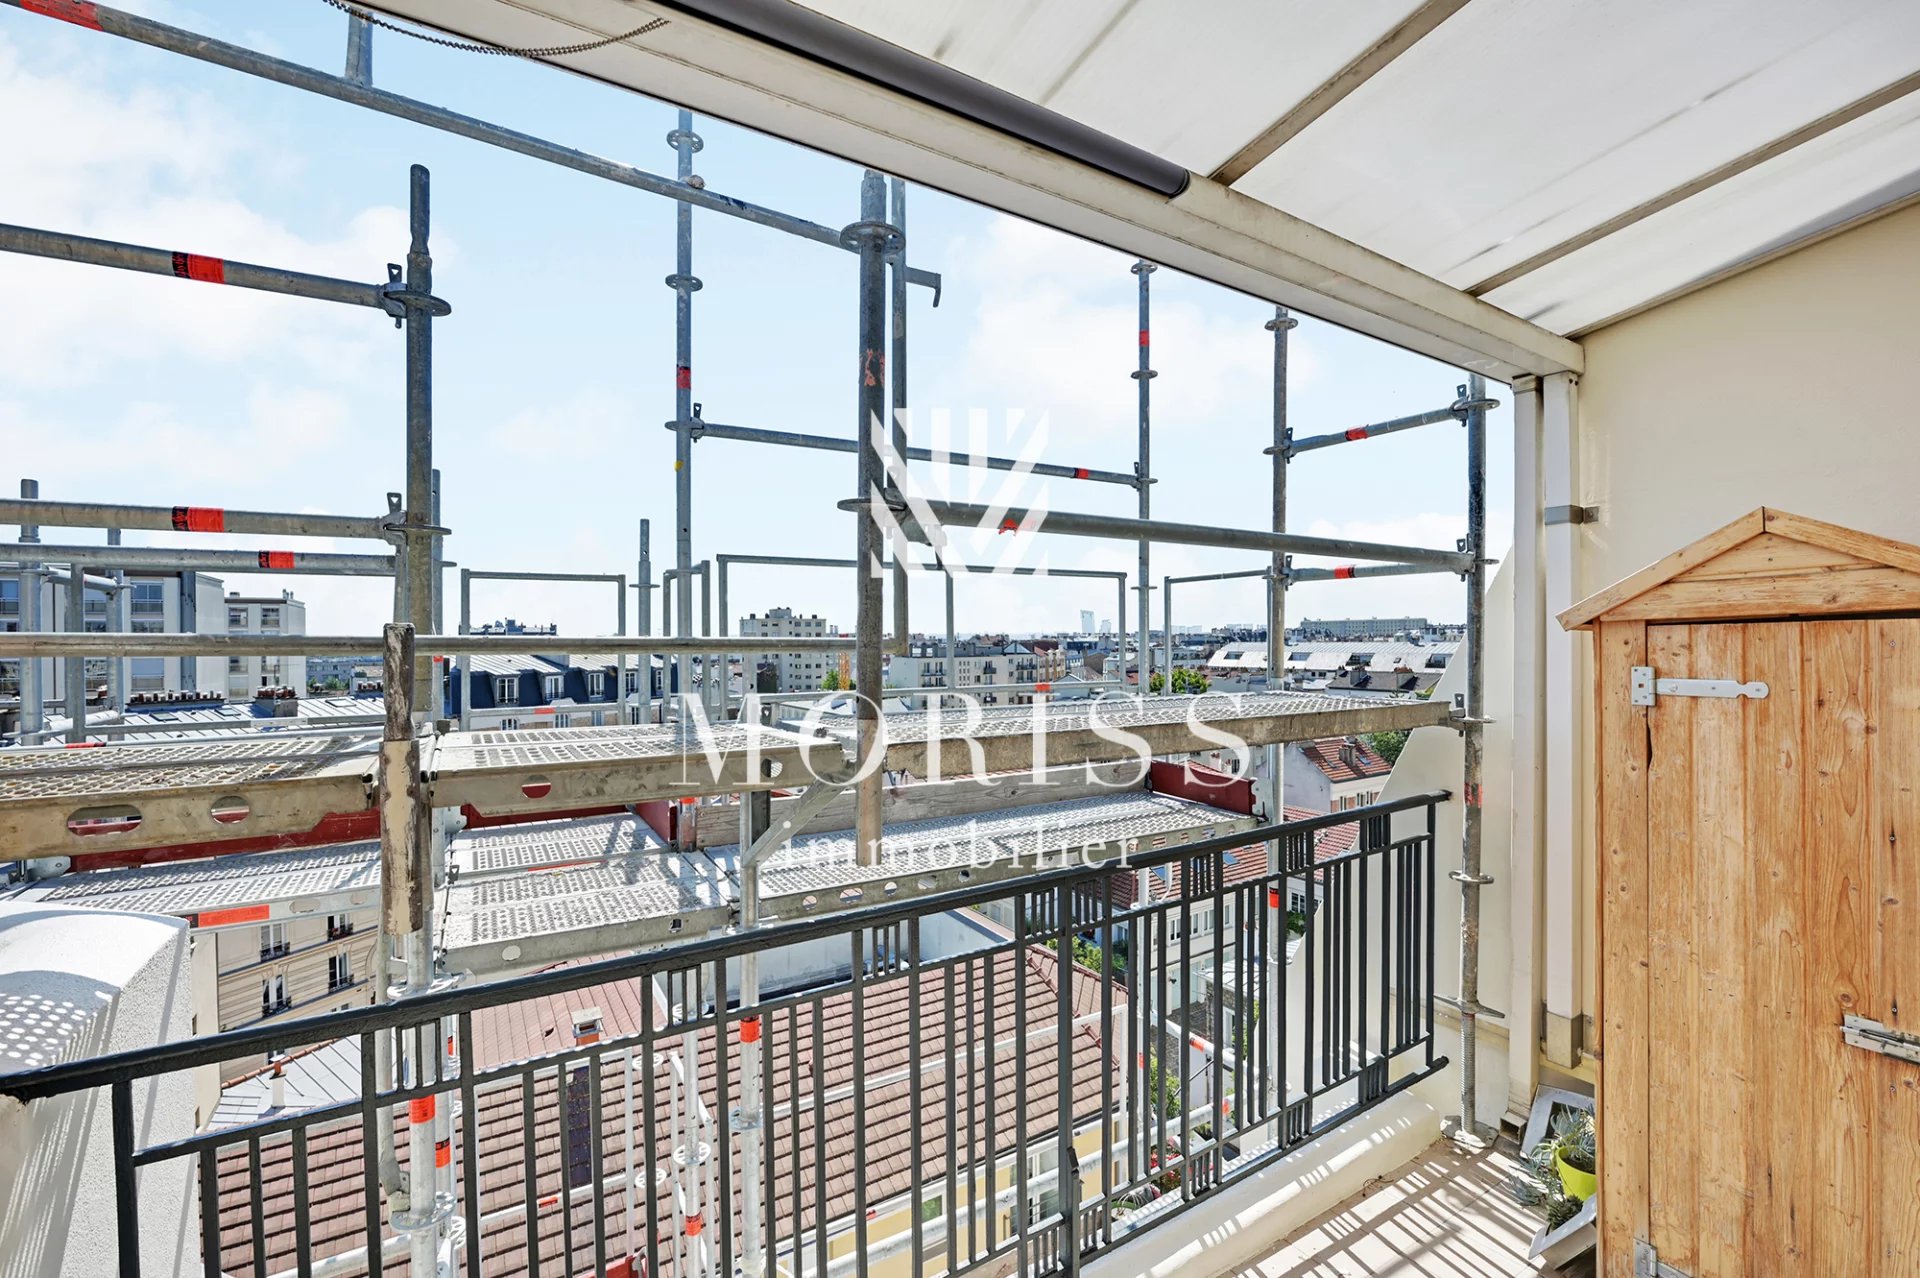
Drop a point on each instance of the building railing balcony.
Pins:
(1114, 1041)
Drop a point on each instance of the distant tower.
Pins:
(1086, 621)
(1106, 627)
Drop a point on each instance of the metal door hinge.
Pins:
(1858, 1031)
(1647, 1263)
(1642, 687)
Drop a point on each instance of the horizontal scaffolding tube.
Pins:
(954, 514)
(292, 74)
(162, 558)
(84, 514)
(1219, 576)
(98, 644)
(1451, 413)
(1346, 572)
(189, 266)
(474, 574)
(831, 444)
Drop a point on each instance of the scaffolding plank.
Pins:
(1006, 738)
(229, 891)
(549, 769)
(516, 922)
(64, 802)
(549, 845)
(815, 873)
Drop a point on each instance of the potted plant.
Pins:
(1567, 1153)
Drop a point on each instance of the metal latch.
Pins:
(1642, 687)
(1875, 1037)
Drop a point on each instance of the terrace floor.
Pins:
(1446, 1214)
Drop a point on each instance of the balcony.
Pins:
(1040, 1093)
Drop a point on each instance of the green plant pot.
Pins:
(1577, 1183)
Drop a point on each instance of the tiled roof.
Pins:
(1342, 759)
(336, 1187)
(1247, 863)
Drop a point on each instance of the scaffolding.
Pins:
(415, 776)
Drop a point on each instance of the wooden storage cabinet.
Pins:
(1758, 882)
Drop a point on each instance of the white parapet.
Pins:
(73, 984)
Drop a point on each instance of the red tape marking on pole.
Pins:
(420, 1109)
(82, 13)
(1273, 898)
(224, 918)
(199, 519)
(1143, 337)
(749, 1029)
(442, 1153)
(192, 266)
(281, 559)
(683, 378)
(1344, 573)
(1358, 432)
(1081, 472)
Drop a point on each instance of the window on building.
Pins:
(506, 690)
(551, 685)
(149, 597)
(236, 619)
(273, 996)
(236, 665)
(508, 725)
(339, 925)
(269, 618)
(596, 683)
(273, 941)
(339, 972)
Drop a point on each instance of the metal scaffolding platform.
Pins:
(554, 769)
(517, 922)
(548, 845)
(58, 802)
(231, 891)
(817, 873)
(1093, 731)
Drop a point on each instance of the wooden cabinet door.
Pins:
(1759, 880)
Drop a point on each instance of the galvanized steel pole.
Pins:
(1275, 755)
(169, 559)
(899, 640)
(1143, 473)
(684, 284)
(643, 659)
(873, 237)
(75, 698)
(194, 519)
(32, 690)
(833, 444)
(418, 526)
(120, 606)
(1473, 734)
(34, 242)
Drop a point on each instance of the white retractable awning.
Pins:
(1474, 179)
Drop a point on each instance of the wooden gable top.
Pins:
(1767, 563)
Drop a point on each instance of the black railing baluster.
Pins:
(723, 1115)
(1104, 912)
(469, 1144)
(256, 1190)
(596, 1150)
(302, 1211)
(990, 1116)
(649, 1139)
(210, 1213)
(819, 1140)
(125, 1192)
(1067, 1160)
(769, 1171)
(529, 1110)
(859, 1104)
(371, 1115)
(1023, 1207)
(916, 1130)
(953, 1127)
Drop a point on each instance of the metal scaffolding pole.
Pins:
(418, 530)
(169, 559)
(120, 608)
(437, 692)
(192, 266)
(1275, 756)
(644, 621)
(1075, 524)
(1473, 733)
(33, 696)
(470, 575)
(1350, 572)
(900, 639)
(684, 284)
(74, 698)
(195, 519)
(1166, 605)
(702, 429)
(354, 88)
(1451, 413)
(874, 238)
(1143, 472)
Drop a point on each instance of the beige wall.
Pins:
(1791, 386)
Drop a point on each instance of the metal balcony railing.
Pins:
(936, 1108)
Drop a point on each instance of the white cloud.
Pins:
(167, 168)
(1056, 329)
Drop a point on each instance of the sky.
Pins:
(554, 374)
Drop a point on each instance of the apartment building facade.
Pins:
(280, 614)
(790, 671)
